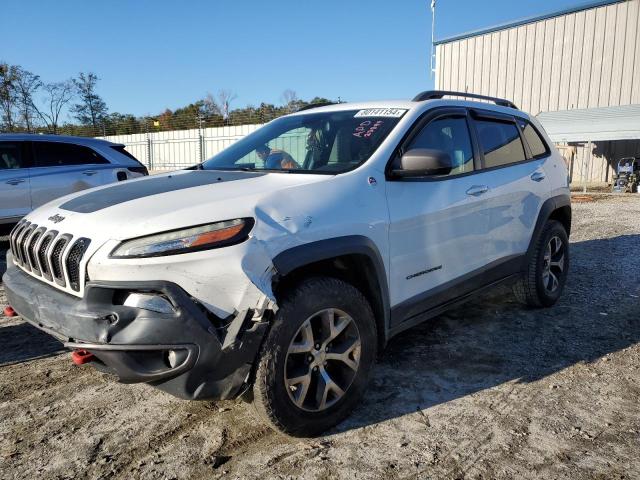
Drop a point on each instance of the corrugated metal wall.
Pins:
(584, 59)
(589, 58)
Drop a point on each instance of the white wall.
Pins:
(180, 148)
(583, 59)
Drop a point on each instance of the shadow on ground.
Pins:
(23, 342)
(494, 340)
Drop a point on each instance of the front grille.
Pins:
(48, 254)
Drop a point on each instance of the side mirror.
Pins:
(421, 162)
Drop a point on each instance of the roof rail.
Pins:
(315, 105)
(433, 94)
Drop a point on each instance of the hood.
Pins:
(166, 202)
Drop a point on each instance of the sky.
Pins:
(153, 55)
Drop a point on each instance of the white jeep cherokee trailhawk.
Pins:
(281, 266)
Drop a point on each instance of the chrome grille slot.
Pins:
(73, 262)
(16, 243)
(22, 247)
(56, 260)
(31, 250)
(43, 259)
(13, 237)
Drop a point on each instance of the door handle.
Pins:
(15, 181)
(88, 173)
(538, 176)
(477, 190)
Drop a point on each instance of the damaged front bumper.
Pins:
(184, 350)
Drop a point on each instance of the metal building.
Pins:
(586, 57)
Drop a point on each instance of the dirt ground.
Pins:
(489, 390)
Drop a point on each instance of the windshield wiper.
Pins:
(197, 166)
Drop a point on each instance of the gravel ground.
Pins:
(489, 390)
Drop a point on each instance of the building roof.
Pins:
(593, 124)
(526, 20)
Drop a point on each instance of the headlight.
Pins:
(203, 237)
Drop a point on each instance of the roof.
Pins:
(595, 124)
(526, 20)
(55, 138)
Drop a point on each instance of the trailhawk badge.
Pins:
(56, 218)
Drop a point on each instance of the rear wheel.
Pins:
(316, 359)
(545, 276)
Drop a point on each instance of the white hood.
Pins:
(164, 202)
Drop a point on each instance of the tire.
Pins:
(291, 408)
(537, 287)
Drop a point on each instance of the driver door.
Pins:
(437, 223)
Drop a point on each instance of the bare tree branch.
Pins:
(26, 86)
(7, 95)
(58, 94)
(290, 99)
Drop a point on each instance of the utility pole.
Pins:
(433, 37)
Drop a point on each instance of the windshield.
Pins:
(328, 142)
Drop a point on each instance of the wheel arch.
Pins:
(554, 208)
(354, 259)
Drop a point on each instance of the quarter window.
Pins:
(500, 142)
(54, 154)
(10, 155)
(450, 135)
(536, 144)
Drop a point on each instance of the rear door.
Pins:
(514, 184)
(15, 200)
(63, 168)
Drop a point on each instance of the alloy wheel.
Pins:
(553, 267)
(322, 360)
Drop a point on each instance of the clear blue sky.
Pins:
(152, 55)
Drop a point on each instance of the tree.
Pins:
(7, 95)
(91, 110)
(26, 86)
(290, 100)
(221, 104)
(58, 95)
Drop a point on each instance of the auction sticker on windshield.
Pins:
(381, 112)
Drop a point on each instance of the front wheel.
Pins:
(315, 362)
(546, 273)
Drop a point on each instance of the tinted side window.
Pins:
(54, 154)
(500, 143)
(536, 144)
(451, 135)
(11, 155)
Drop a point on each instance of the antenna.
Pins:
(433, 37)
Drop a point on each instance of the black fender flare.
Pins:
(289, 260)
(548, 207)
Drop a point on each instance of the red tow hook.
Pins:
(80, 357)
(9, 311)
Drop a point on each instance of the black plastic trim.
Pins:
(548, 207)
(437, 94)
(128, 341)
(421, 304)
(296, 257)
